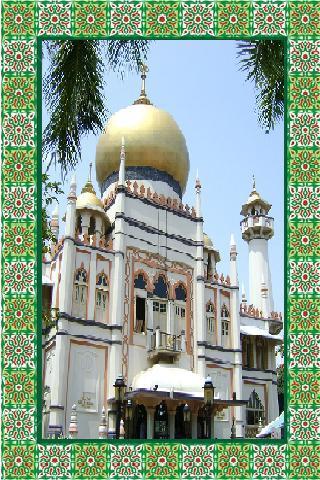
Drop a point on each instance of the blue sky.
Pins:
(199, 83)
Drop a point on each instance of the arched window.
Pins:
(140, 304)
(161, 288)
(247, 352)
(80, 291)
(181, 293)
(139, 282)
(79, 225)
(180, 309)
(160, 306)
(254, 409)
(210, 311)
(225, 326)
(92, 226)
(102, 297)
(224, 311)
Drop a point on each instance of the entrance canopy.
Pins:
(169, 382)
(167, 378)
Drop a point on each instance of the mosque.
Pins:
(142, 337)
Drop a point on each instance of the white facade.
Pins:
(135, 283)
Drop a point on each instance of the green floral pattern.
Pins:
(22, 21)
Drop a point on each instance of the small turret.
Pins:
(198, 196)
(71, 209)
(233, 261)
(54, 224)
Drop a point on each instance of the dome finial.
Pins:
(90, 170)
(144, 69)
(253, 183)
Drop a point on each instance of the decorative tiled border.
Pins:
(298, 22)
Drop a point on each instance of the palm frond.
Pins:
(263, 61)
(73, 90)
(125, 55)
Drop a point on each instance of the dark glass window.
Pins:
(92, 226)
(160, 288)
(139, 282)
(181, 293)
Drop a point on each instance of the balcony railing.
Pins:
(166, 343)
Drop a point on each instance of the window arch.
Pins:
(210, 307)
(181, 292)
(102, 297)
(102, 280)
(225, 326)
(224, 311)
(79, 225)
(161, 287)
(254, 409)
(80, 292)
(210, 313)
(140, 282)
(92, 226)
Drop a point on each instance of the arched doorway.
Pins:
(139, 427)
(161, 427)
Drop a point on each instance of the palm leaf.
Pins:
(73, 91)
(263, 60)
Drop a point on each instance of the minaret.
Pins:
(243, 295)
(57, 417)
(233, 262)
(68, 257)
(54, 224)
(118, 293)
(200, 333)
(257, 230)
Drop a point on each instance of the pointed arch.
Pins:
(161, 285)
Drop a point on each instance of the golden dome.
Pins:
(207, 240)
(152, 139)
(88, 198)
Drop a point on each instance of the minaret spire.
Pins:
(122, 164)
(198, 195)
(143, 99)
(233, 261)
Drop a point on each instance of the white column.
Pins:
(98, 228)
(258, 268)
(68, 253)
(218, 307)
(170, 317)
(85, 222)
(59, 379)
(92, 285)
(199, 305)
(149, 322)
